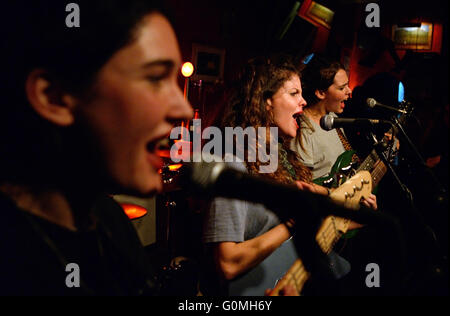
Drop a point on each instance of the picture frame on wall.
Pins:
(208, 63)
(319, 14)
(416, 37)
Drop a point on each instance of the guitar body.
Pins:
(353, 190)
(285, 259)
(350, 186)
(342, 168)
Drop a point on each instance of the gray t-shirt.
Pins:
(236, 220)
(321, 147)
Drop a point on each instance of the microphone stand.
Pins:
(441, 199)
(442, 194)
(323, 281)
(418, 219)
(306, 208)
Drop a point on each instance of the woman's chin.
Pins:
(147, 187)
(155, 186)
(291, 134)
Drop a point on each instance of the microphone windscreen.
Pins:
(371, 102)
(326, 122)
(201, 176)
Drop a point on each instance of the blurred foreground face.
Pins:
(136, 98)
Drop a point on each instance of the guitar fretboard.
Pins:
(369, 162)
(376, 167)
(326, 237)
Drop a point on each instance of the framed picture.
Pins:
(320, 14)
(208, 63)
(419, 37)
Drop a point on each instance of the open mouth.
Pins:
(157, 149)
(158, 145)
(296, 117)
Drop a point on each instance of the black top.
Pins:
(34, 254)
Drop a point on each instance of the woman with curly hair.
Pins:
(240, 235)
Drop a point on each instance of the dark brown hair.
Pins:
(318, 74)
(260, 79)
(34, 36)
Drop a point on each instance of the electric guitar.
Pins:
(268, 273)
(347, 194)
(344, 167)
(351, 185)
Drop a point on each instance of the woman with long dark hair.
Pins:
(82, 114)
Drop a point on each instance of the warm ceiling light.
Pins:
(187, 69)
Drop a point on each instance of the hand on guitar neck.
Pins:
(287, 290)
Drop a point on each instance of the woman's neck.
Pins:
(49, 205)
(315, 112)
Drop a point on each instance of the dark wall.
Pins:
(243, 28)
(247, 28)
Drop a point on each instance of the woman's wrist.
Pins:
(290, 225)
(322, 190)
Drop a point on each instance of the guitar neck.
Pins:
(332, 228)
(297, 275)
(369, 162)
(378, 172)
(375, 165)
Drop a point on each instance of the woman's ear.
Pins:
(48, 99)
(320, 94)
(268, 104)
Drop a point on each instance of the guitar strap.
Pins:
(347, 147)
(346, 144)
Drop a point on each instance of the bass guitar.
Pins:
(271, 273)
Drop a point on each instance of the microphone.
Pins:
(328, 122)
(213, 179)
(286, 201)
(371, 102)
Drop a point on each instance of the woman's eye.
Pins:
(158, 76)
(155, 79)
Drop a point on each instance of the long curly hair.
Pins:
(260, 79)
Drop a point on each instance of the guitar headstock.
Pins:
(349, 194)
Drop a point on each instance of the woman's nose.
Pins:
(180, 108)
(302, 102)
